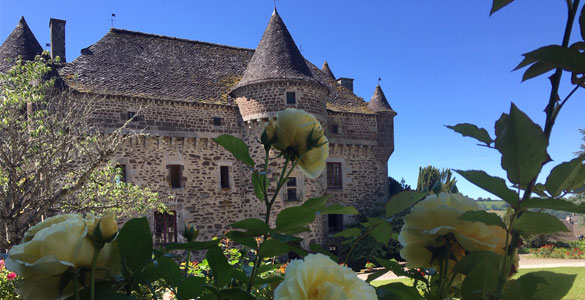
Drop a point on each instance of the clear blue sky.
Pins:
(441, 62)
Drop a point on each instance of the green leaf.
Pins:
(545, 285)
(397, 291)
(537, 69)
(380, 230)
(316, 204)
(236, 294)
(257, 179)
(473, 259)
(582, 23)
(190, 288)
(482, 216)
(539, 189)
(169, 270)
(290, 219)
(494, 185)
(481, 282)
(499, 4)
(339, 209)
(253, 225)
(523, 146)
(242, 238)
(579, 181)
(531, 223)
(350, 232)
(236, 147)
(135, 244)
(402, 201)
(561, 177)
(556, 204)
(268, 267)
(318, 249)
(192, 246)
(221, 269)
(561, 57)
(273, 247)
(473, 131)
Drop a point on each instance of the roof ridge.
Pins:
(126, 31)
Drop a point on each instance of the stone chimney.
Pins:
(57, 28)
(346, 82)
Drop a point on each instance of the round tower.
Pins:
(21, 42)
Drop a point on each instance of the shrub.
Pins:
(8, 282)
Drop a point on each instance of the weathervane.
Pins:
(112, 19)
(379, 79)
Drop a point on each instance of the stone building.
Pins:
(183, 93)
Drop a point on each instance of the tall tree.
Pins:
(51, 153)
(395, 187)
(431, 178)
(582, 148)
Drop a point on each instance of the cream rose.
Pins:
(320, 278)
(52, 247)
(436, 217)
(299, 134)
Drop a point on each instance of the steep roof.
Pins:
(276, 56)
(327, 70)
(135, 64)
(378, 102)
(21, 42)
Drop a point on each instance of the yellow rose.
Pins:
(300, 135)
(108, 225)
(320, 278)
(435, 217)
(52, 247)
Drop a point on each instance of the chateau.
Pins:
(183, 93)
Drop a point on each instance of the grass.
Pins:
(576, 292)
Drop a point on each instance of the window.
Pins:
(216, 121)
(135, 118)
(334, 128)
(291, 98)
(291, 189)
(175, 176)
(335, 223)
(120, 173)
(165, 227)
(224, 174)
(334, 176)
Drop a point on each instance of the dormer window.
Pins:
(291, 98)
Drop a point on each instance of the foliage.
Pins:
(582, 147)
(433, 179)
(395, 187)
(550, 251)
(8, 282)
(51, 151)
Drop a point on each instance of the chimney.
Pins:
(346, 82)
(57, 28)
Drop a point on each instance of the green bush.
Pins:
(8, 282)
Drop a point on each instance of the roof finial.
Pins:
(379, 79)
(274, 12)
(112, 19)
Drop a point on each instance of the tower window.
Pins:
(335, 223)
(165, 227)
(291, 189)
(120, 170)
(216, 121)
(175, 176)
(334, 177)
(291, 98)
(134, 117)
(334, 128)
(224, 174)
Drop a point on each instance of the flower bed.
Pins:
(551, 251)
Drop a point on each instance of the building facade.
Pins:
(183, 93)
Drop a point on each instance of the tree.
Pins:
(51, 153)
(582, 151)
(395, 187)
(431, 178)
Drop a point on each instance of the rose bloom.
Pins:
(435, 217)
(52, 247)
(320, 278)
(300, 134)
(11, 276)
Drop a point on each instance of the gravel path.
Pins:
(526, 262)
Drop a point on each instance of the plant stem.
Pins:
(188, 263)
(93, 266)
(76, 287)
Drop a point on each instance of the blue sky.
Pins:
(441, 62)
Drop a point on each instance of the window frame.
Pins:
(123, 177)
(294, 97)
(178, 175)
(334, 223)
(216, 121)
(224, 177)
(164, 236)
(292, 188)
(333, 182)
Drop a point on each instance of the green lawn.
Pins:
(576, 293)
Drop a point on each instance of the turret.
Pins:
(21, 42)
(385, 121)
(277, 77)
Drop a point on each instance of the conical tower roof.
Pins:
(378, 102)
(21, 42)
(327, 70)
(276, 57)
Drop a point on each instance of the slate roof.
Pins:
(325, 68)
(21, 42)
(378, 102)
(276, 57)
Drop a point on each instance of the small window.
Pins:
(134, 117)
(216, 121)
(291, 189)
(335, 129)
(175, 176)
(291, 98)
(335, 223)
(165, 227)
(224, 177)
(120, 173)
(334, 178)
